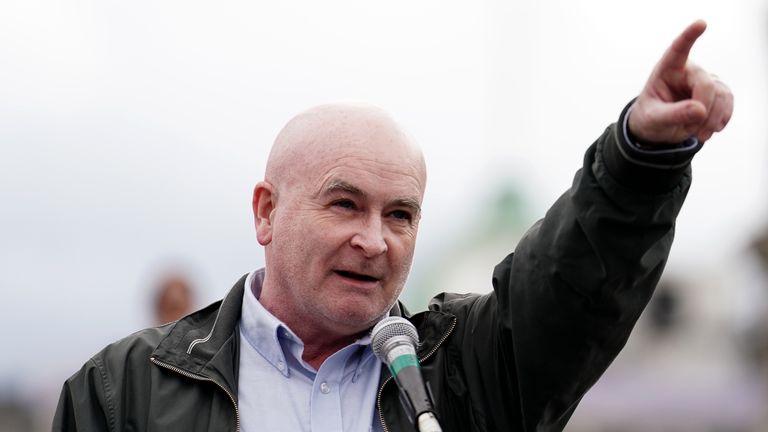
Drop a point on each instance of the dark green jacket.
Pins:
(517, 359)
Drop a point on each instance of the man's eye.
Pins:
(344, 204)
(401, 214)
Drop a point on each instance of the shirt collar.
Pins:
(264, 331)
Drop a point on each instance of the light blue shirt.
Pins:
(278, 391)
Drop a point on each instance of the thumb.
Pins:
(655, 121)
(686, 114)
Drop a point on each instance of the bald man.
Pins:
(288, 348)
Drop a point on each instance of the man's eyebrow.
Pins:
(341, 186)
(411, 203)
(336, 186)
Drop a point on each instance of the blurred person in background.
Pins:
(758, 334)
(173, 299)
(289, 347)
(756, 340)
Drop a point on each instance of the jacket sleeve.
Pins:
(83, 404)
(564, 303)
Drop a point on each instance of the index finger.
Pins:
(677, 54)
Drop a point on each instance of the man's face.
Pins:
(343, 233)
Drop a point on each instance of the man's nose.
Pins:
(369, 238)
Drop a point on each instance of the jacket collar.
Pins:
(206, 342)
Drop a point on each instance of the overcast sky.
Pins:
(132, 133)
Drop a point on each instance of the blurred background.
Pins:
(132, 133)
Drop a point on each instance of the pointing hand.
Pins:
(680, 99)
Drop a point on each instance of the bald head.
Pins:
(330, 133)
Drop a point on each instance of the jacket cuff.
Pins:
(655, 169)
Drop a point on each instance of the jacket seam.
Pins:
(107, 393)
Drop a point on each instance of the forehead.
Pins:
(359, 146)
(368, 175)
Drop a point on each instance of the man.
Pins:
(338, 211)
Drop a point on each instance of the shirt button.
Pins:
(325, 388)
(280, 365)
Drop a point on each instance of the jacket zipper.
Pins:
(426, 356)
(201, 378)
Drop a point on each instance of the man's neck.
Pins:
(320, 342)
(315, 354)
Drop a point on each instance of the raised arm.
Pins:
(565, 302)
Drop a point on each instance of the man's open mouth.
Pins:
(356, 276)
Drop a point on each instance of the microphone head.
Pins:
(389, 328)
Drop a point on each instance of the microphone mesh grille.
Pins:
(388, 328)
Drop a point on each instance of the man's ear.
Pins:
(263, 205)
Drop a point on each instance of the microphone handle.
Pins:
(416, 398)
(428, 423)
(412, 384)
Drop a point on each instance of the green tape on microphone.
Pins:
(402, 362)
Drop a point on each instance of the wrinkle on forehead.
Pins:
(328, 134)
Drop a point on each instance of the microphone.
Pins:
(394, 341)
